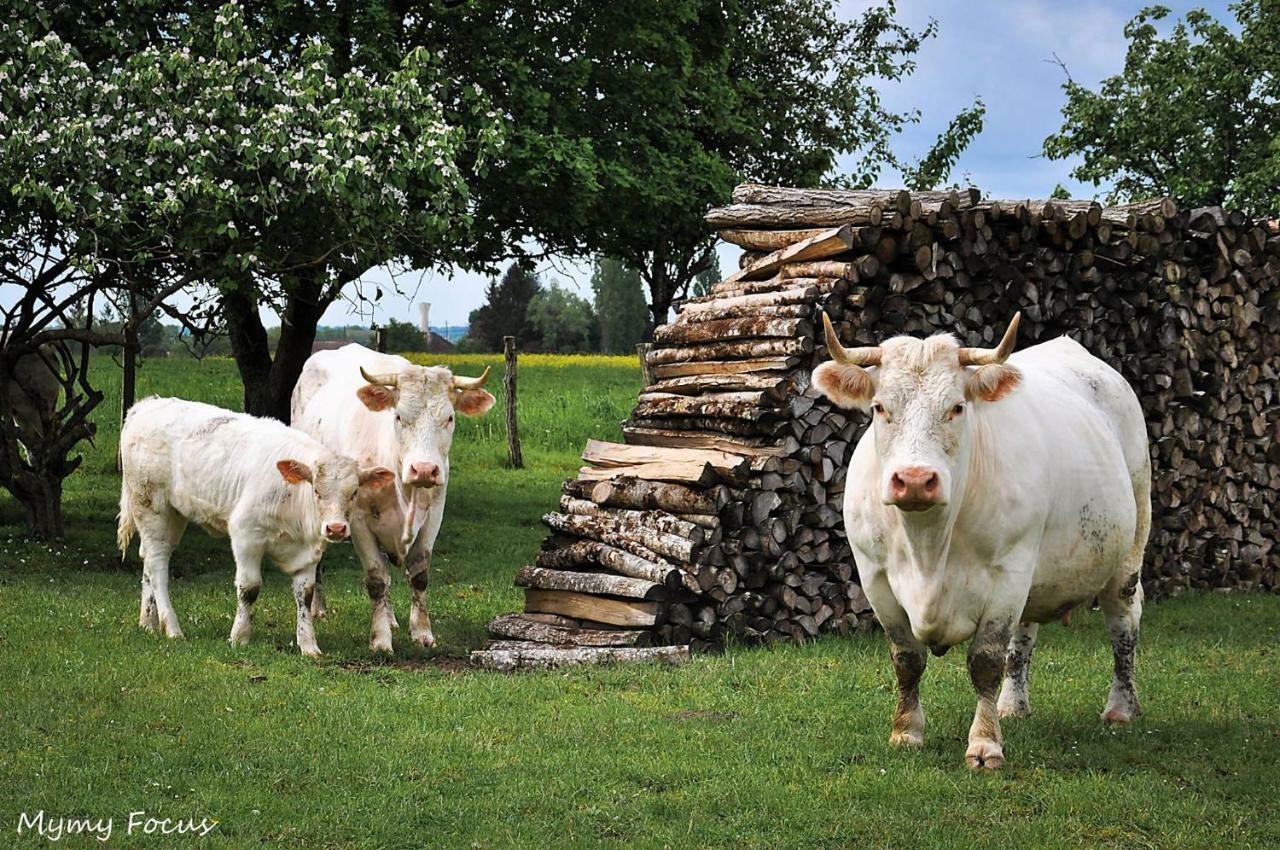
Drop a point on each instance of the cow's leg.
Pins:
(147, 617)
(318, 609)
(909, 659)
(1014, 701)
(304, 586)
(248, 556)
(377, 583)
(417, 567)
(159, 533)
(986, 666)
(1122, 610)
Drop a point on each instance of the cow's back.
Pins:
(206, 462)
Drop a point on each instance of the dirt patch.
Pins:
(444, 663)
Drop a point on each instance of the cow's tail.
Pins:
(125, 528)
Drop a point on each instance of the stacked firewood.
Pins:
(722, 513)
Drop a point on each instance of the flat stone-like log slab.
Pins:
(510, 658)
(523, 628)
(615, 612)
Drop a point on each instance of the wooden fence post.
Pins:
(509, 383)
(646, 374)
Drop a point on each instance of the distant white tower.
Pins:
(424, 311)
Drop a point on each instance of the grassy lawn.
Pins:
(758, 747)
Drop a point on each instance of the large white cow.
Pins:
(272, 489)
(383, 410)
(986, 497)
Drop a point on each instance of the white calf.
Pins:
(185, 461)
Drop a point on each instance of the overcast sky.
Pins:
(1001, 50)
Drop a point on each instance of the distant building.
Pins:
(437, 344)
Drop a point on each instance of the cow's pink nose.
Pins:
(424, 474)
(914, 488)
(336, 530)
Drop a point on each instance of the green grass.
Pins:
(758, 747)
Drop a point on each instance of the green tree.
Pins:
(707, 278)
(1195, 113)
(403, 336)
(645, 113)
(284, 174)
(619, 304)
(563, 321)
(505, 311)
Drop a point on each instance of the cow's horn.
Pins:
(391, 379)
(999, 354)
(867, 356)
(462, 383)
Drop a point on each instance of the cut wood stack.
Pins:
(722, 514)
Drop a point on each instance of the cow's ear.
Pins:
(294, 471)
(992, 382)
(377, 397)
(376, 477)
(473, 402)
(847, 386)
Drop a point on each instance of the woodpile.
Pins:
(721, 514)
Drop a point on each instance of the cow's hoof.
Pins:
(151, 625)
(984, 755)
(239, 639)
(311, 651)
(908, 738)
(381, 647)
(319, 612)
(170, 630)
(424, 639)
(1116, 717)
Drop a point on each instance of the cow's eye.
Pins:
(449, 421)
(957, 410)
(877, 408)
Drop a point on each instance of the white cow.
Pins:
(272, 489)
(987, 497)
(381, 409)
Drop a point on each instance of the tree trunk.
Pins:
(302, 314)
(268, 383)
(41, 496)
(249, 347)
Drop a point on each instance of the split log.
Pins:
(663, 521)
(642, 435)
(773, 385)
(739, 350)
(518, 627)
(551, 657)
(649, 495)
(636, 538)
(750, 327)
(681, 472)
(601, 453)
(615, 612)
(587, 553)
(750, 216)
(819, 247)
(724, 367)
(593, 583)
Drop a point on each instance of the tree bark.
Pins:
(41, 496)
(268, 382)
